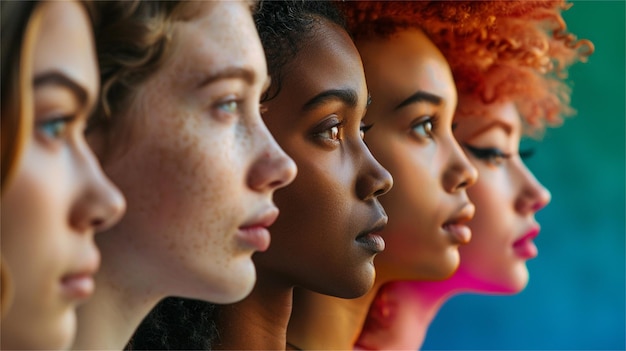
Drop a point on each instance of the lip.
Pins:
(254, 234)
(524, 247)
(78, 284)
(456, 228)
(370, 240)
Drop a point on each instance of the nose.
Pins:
(272, 168)
(100, 204)
(459, 173)
(533, 196)
(373, 179)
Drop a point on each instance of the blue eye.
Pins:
(423, 128)
(53, 128)
(491, 155)
(231, 106)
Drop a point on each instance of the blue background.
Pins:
(575, 297)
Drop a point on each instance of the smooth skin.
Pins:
(413, 102)
(333, 202)
(507, 197)
(59, 196)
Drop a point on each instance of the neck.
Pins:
(403, 310)
(322, 322)
(259, 321)
(402, 313)
(111, 316)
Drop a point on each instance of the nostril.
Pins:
(380, 192)
(463, 185)
(98, 223)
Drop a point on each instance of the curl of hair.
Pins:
(131, 42)
(176, 324)
(284, 26)
(498, 50)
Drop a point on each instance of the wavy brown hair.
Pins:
(498, 50)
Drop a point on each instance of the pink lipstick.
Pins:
(524, 247)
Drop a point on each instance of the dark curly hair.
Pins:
(284, 26)
(497, 50)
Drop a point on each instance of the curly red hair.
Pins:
(498, 50)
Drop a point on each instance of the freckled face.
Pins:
(413, 101)
(198, 165)
(316, 118)
(506, 195)
(59, 196)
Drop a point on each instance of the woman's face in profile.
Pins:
(506, 195)
(325, 238)
(59, 196)
(413, 102)
(197, 164)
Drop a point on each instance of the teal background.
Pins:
(575, 297)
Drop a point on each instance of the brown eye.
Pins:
(332, 133)
(424, 128)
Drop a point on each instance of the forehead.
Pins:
(65, 44)
(406, 62)
(219, 35)
(474, 118)
(328, 60)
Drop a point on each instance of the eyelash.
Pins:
(364, 128)
(526, 154)
(492, 155)
(422, 122)
(329, 132)
(54, 128)
(229, 104)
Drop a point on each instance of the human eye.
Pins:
(53, 128)
(329, 131)
(364, 128)
(331, 134)
(526, 154)
(491, 155)
(229, 106)
(423, 127)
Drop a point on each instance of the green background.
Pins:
(575, 298)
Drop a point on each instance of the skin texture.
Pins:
(332, 200)
(430, 169)
(431, 174)
(59, 196)
(507, 196)
(198, 167)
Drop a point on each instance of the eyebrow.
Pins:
(228, 73)
(59, 79)
(347, 96)
(420, 96)
(504, 126)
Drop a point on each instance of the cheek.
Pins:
(416, 190)
(36, 245)
(493, 227)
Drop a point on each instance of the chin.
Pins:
(350, 285)
(62, 333)
(444, 268)
(234, 287)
